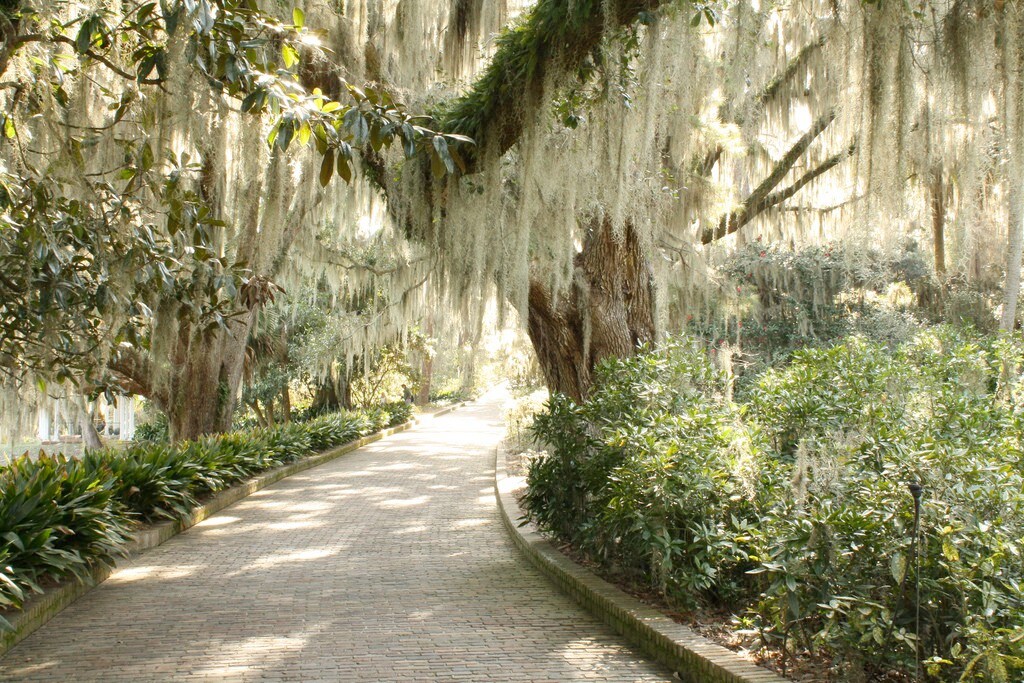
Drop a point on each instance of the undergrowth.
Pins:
(794, 508)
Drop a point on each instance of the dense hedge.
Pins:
(62, 517)
(792, 507)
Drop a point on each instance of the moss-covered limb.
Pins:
(756, 202)
(741, 217)
(555, 38)
(703, 165)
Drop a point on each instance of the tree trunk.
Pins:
(268, 410)
(1014, 249)
(609, 311)
(426, 368)
(939, 222)
(90, 437)
(426, 376)
(204, 378)
(332, 395)
(255, 405)
(1013, 92)
(286, 404)
(326, 397)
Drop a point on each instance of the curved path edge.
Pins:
(692, 657)
(41, 608)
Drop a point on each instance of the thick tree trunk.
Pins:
(609, 311)
(326, 397)
(204, 379)
(332, 395)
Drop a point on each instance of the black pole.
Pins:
(917, 491)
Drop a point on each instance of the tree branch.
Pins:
(552, 42)
(753, 204)
(106, 62)
(749, 212)
(794, 65)
(703, 167)
(134, 373)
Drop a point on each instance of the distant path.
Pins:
(388, 564)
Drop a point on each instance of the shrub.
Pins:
(647, 476)
(449, 396)
(58, 518)
(793, 508)
(156, 431)
(149, 482)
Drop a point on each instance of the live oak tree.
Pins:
(145, 213)
(618, 143)
(600, 160)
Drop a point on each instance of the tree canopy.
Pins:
(168, 167)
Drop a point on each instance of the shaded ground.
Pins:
(387, 564)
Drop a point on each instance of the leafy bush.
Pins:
(648, 475)
(149, 482)
(156, 431)
(60, 517)
(449, 396)
(793, 508)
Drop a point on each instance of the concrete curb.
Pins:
(693, 657)
(41, 608)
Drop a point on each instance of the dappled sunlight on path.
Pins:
(388, 564)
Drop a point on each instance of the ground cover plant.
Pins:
(62, 517)
(794, 507)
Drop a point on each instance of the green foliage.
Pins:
(793, 508)
(648, 475)
(554, 40)
(156, 430)
(87, 255)
(61, 517)
(449, 396)
(58, 518)
(791, 298)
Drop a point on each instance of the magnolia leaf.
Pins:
(327, 168)
(344, 170)
(289, 55)
(898, 567)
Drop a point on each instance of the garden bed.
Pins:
(65, 521)
(795, 506)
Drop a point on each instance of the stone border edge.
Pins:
(692, 657)
(40, 609)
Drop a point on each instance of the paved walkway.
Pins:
(388, 564)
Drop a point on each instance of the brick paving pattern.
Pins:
(388, 564)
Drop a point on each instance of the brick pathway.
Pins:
(388, 564)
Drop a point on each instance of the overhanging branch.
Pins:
(553, 41)
(755, 203)
(775, 198)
